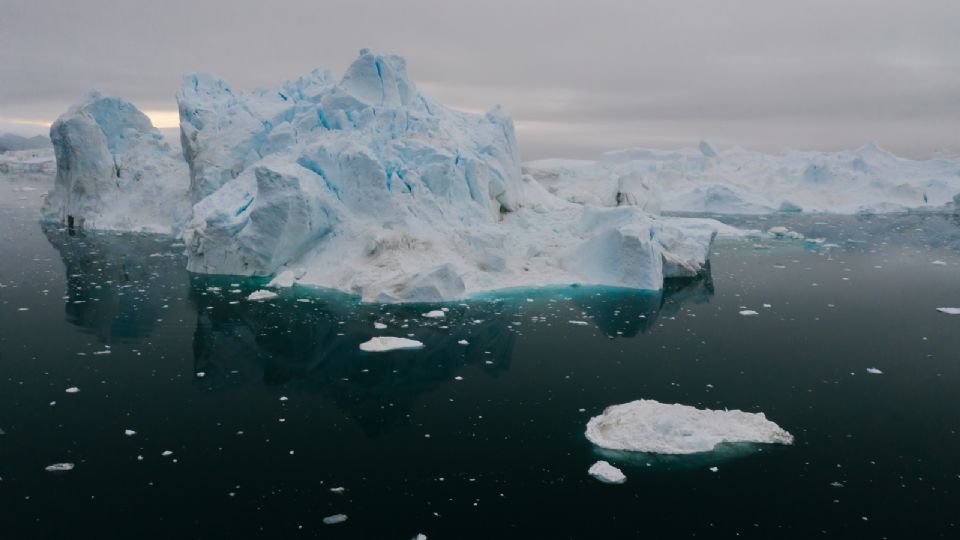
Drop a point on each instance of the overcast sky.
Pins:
(578, 77)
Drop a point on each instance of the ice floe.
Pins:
(387, 343)
(606, 473)
(651, 426)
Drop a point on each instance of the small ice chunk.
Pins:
(578, 323)
(938, 262)
(166, 453)
(874, 371)
(748, 312)
(334, 519)
(386, 343)
(201, 374)
(261, 295)
(949, 310)
(59, 467)
(607, 473)
(714, 469)
(337, 490)
(650, 426)
(129, 432)
(778, 231)
(435, 314)
(463, 342)
(379, 326)
(72, 390)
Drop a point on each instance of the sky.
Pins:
(579, 78)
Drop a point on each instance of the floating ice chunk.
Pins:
(386, 343)
(420, 536)
(939, 262)
(949, 310)
(59, 467)
(463, 342)
(607, 473)
(129, 432)
(778, 231)
(261, 295)
(337, 490)
(379, 326)
(166, 453)
(748, 312)
(874, 371)
(651, 426)
(579, 323)
(334, 519)
(435, 314)
(72, 390)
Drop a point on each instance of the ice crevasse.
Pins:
(360, 184)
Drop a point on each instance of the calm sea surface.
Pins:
(267, 406)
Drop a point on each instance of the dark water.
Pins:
(500, 453)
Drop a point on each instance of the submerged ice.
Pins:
(662, 428)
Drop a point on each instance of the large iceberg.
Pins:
(367, 186)
(114, 171)
(650, 426)
(360, 184)
(704, 180)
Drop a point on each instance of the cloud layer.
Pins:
(578, 77)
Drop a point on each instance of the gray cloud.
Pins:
(578, 77)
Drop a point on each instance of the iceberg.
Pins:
(362, 185)
(705, 180)
(661, 428)
(367, 186)
(114, 171)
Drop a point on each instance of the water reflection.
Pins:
(116, 285)
(121, 286)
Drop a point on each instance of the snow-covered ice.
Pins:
(606, 473)
(651, 426)
(386, 343)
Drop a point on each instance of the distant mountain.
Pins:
(9, 141)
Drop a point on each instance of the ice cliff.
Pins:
(114, 171)
(704, 180)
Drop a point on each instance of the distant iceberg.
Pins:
(705, 180)
(661, 428)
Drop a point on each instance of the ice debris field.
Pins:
(365, 185)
